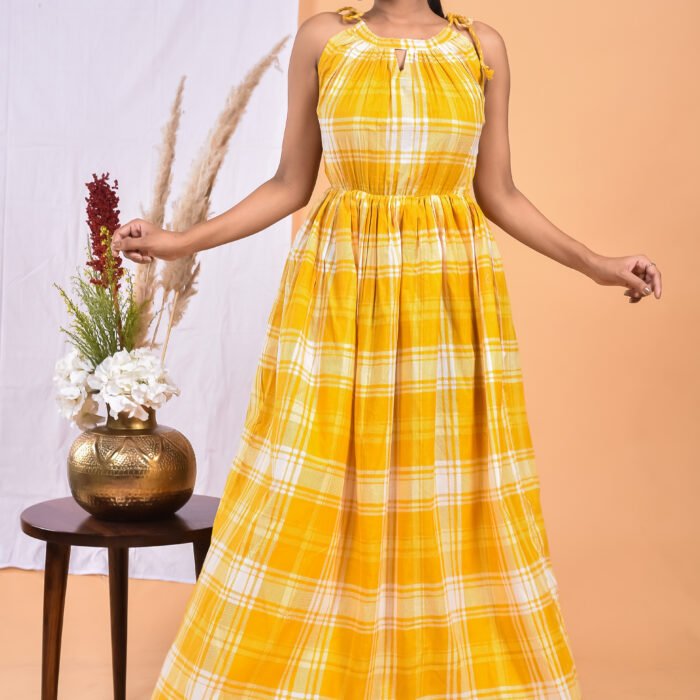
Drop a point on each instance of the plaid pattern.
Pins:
(380, 534)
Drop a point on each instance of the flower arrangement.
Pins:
(112, 359)
(105, 362)
(137, 469)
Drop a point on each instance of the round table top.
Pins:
(63, 521)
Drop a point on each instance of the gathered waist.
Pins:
(462, 193)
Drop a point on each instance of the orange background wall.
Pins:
(604, 121)
(604, 135)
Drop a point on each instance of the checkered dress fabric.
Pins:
(380, 535)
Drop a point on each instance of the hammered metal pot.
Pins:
(131, 469)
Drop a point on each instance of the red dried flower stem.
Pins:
(103, 220)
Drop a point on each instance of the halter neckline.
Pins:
(351, 14)
(362, 28)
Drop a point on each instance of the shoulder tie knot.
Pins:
(468, 24)
(459, 20)
(349, 13)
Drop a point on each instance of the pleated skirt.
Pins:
(380, 534)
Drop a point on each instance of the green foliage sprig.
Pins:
(103, 319)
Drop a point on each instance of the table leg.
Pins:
(118, 599)
(201, 547)
(55, 580)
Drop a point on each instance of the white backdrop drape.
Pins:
(86, 87)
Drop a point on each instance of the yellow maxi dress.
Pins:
(380, 535)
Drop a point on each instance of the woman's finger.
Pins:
(650, 274)
(132, 248)
(654, 277)
(128, 243)
(131, 229)
(635, 283)
(133, 255)
(137, 257)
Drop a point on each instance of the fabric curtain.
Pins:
(87, 87)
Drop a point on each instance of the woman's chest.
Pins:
(395, 99)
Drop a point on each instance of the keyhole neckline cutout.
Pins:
(400, 63)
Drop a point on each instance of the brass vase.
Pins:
(131, 469)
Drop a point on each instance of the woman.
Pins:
(380, 533)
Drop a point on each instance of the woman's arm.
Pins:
(512, 211)
(286, 191)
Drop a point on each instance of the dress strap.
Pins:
(349, 13)
(467, 23)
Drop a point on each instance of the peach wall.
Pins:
(604, 136)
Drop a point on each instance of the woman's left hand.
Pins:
(636, 272)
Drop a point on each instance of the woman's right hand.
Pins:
(142, 242)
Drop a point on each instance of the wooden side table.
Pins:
(62, 523)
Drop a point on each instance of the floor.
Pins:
(85, 673)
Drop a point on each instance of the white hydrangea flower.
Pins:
(130, 380)
(72, 392)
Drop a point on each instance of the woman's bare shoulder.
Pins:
(315, 31)
(491, 40)
(324, 20)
